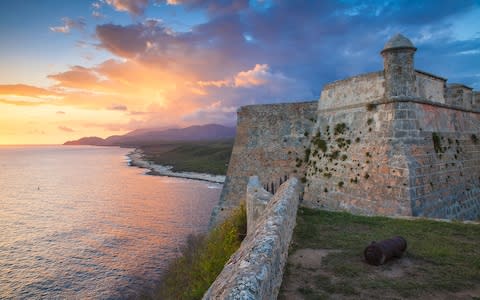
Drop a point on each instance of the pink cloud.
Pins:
(259, 75)
(133, 7)
(66, 129)
(69, 24)
(76, 77)
(119, 107)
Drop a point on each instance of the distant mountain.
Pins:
(91, 140)
(142, 137)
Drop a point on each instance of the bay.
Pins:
(78, 222)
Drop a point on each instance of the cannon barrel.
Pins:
(377, 253)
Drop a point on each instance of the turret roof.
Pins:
(398, 41)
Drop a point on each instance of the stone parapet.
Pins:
(257, 201)
(255, 271)
(430, 87)
(354, 90)
(460, 95)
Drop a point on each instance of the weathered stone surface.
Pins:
(430, 87)
(460, 95)
(257, 201)
(363, 168)
(255, 271)
(406, 175)
(398, 41)
(476, 101)
(398, 68)
(356, 90)
(269, 142)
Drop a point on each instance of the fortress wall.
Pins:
(430, 87)
(459, 95)
(445, 170)
(362, 169)
(354, 90)
(406, 175)
(476, 101)
(270, 141)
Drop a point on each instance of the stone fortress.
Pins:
(398, 142)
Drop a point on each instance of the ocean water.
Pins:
(76, 222)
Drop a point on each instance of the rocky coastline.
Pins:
(136, 158)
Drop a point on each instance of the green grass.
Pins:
(203, 258)
(205, 156)
(441, 257)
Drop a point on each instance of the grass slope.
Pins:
(204, 156)
(441, 258)
(202, 259)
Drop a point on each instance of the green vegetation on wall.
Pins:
(474, 138)
(437, 143)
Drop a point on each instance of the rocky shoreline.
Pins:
(136, 159)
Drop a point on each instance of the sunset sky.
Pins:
(70, 69)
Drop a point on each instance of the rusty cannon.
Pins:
(377, 253)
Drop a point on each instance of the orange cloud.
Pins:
(259, 75)
(65, 128)
(22, 103)
(214, 83)
(25, 90)
(76, 77)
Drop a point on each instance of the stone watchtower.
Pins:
(398, 67)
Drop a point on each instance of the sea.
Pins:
(77, 222)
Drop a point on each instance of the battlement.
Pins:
(430, 87)
(357, 90)
(398, 81)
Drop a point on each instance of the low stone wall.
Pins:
(255, 271)
(354, 90)
(459, 95)
(430, 87)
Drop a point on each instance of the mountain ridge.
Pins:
(151, 136)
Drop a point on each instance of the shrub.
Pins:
(340, 128)
(437, 144)
(335, 154)
(371, 106)
(202, 258)
(474, 138)
(307, 154)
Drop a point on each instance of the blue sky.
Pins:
(145, 63)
